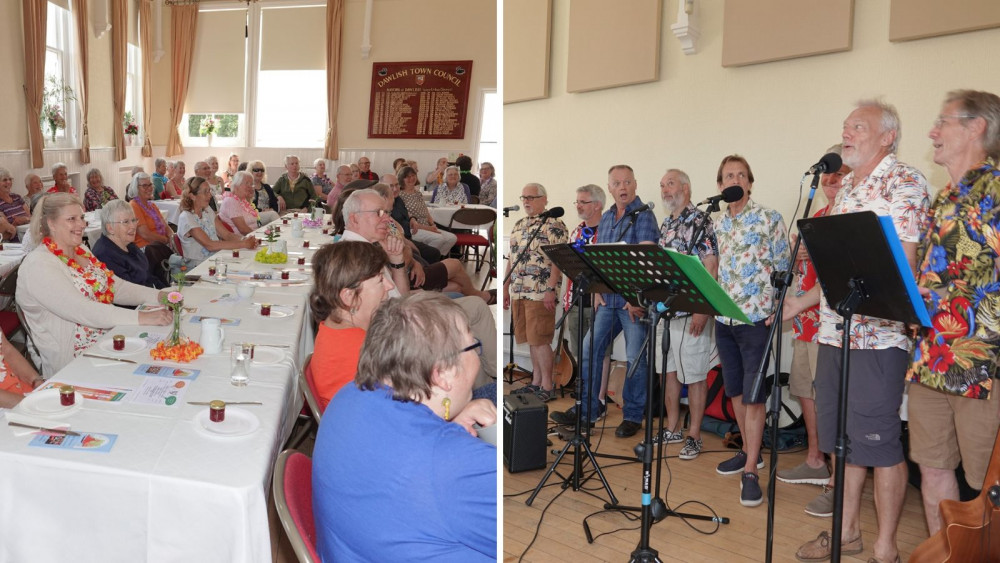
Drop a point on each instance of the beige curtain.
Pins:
(35, 14)
(334, 38)
(119, 68)
(80, 17)
(182, 27)
(147, 93)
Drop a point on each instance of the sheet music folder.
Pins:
(628, 269)
(864, 245)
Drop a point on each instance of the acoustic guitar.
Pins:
(970, 531)
(564, 364)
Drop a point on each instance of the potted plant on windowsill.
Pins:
(54, 95)
(131, 129)
(208, 127)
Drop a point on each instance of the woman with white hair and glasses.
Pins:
(117, 248)
(12, 206)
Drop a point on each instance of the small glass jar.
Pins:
(211, 270)
(295, 214)
(217, 411)
(265, 309)
(119, 342)
(305, 244)
(302, 261)
(284, 221)
(236, 253)
(284, 274)
(67, 395)
(326, 231)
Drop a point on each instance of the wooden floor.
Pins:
(553, 524)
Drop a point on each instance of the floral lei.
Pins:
(247, 206)
(107, 295)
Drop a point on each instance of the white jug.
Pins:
(212, 335)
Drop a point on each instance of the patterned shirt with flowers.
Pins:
(752, 245)
(805, 325)
(676, 233)
(530, 277)
(896, 190)
(958, 250)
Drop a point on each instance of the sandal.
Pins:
(820, 549)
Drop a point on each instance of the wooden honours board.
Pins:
(419, 100)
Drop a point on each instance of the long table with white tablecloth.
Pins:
(171, 488)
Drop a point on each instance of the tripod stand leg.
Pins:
(551, 470)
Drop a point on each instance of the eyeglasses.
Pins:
(940, 121)
(132, 221)
(145, 184)
(478, 347)
(583, 202)
(257, 170)
(531, 197)
(380, 212)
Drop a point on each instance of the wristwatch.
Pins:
(399, 266)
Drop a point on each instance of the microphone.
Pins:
(511, 208)
(831, 162)
(728, 195)
(649, 206)
(554, 213)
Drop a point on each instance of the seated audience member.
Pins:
(117, 248)
(241, 167)
(232, 167)
(17, 376)
(198, 226)
(343, 178)
(213, 178)
(320, 180)
(35, 188)
(355, 172)
(350, 283)
(452, 192)
(203, 170)
(97, 193)
(435, 177)
(135, 170)
(365, 167)
(153, 235)
(60, 175)
(293, 188)
(466, 177)
(159, 177)
(237, 210)
(422, 227)
(488, 181)
(67, 295)
(397, 164)
(388, 188)
(410, 407)
(174, 186)
(264, 200)
(13, 207)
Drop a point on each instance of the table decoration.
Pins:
(276, 251)
(176, 347)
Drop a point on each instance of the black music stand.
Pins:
(663, 282)
(862, 269)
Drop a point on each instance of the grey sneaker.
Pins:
(821, 506)
(668, 437)
(750, 493)
(736, 464)
(691, 448)
(803, 474)
(525, 390)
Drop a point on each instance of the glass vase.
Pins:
(175, 332)
(278, 247)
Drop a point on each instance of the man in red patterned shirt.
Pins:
(814, 469)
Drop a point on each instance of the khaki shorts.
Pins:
(533, 323)
(800, 382)
(946, 428)
(696, 352)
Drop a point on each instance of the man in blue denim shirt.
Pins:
(612, 313)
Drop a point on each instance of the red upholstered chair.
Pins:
(475, 218)
(226, 226)
(311, 413)
(178, 247)
(292, 487)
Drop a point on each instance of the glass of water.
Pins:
(240, 356)
(221, 271)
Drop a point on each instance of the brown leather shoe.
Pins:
(820, 548)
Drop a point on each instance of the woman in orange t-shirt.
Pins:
(17, 376)
(350, 284)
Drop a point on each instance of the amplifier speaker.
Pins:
(524, 427)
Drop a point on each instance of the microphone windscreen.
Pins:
(555, 212)
(831, 162)
(732, 193)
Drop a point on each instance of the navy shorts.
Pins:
(741, 348)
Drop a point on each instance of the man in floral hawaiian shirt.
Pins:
(753, 244)
(954, 408)
(690, 335)
(879, 348)
(534, 283)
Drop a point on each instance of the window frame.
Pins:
(64, 47)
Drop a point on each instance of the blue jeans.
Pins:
(607, 324)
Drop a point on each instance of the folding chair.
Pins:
(475, 219)
(292, 487)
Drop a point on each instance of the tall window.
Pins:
(490, 130)
(133, 89)
(58, 108)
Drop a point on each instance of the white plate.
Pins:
(279, 311)
(132, 345)
(238, 422)
(12, 252)
(46, 403)
(265, 355)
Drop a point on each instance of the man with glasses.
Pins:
(879, 354)
(343, 178)
(366, 219)
(630, 222)
(534, 282)
(366, 169)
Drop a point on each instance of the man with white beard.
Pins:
(691, 342)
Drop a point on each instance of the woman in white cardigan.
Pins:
(67, 295)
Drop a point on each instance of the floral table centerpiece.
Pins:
(276, 251)
(176, 347)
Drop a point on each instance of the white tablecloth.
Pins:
(166, 491)
(442, 214)
(171, 209)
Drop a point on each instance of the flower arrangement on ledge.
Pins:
(54, 95)
(176, 347)
(208, 126)
(129, 123)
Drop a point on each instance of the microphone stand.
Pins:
(511, 365)
(781, 282)
(633, 215)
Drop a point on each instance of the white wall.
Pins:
(781, 116)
